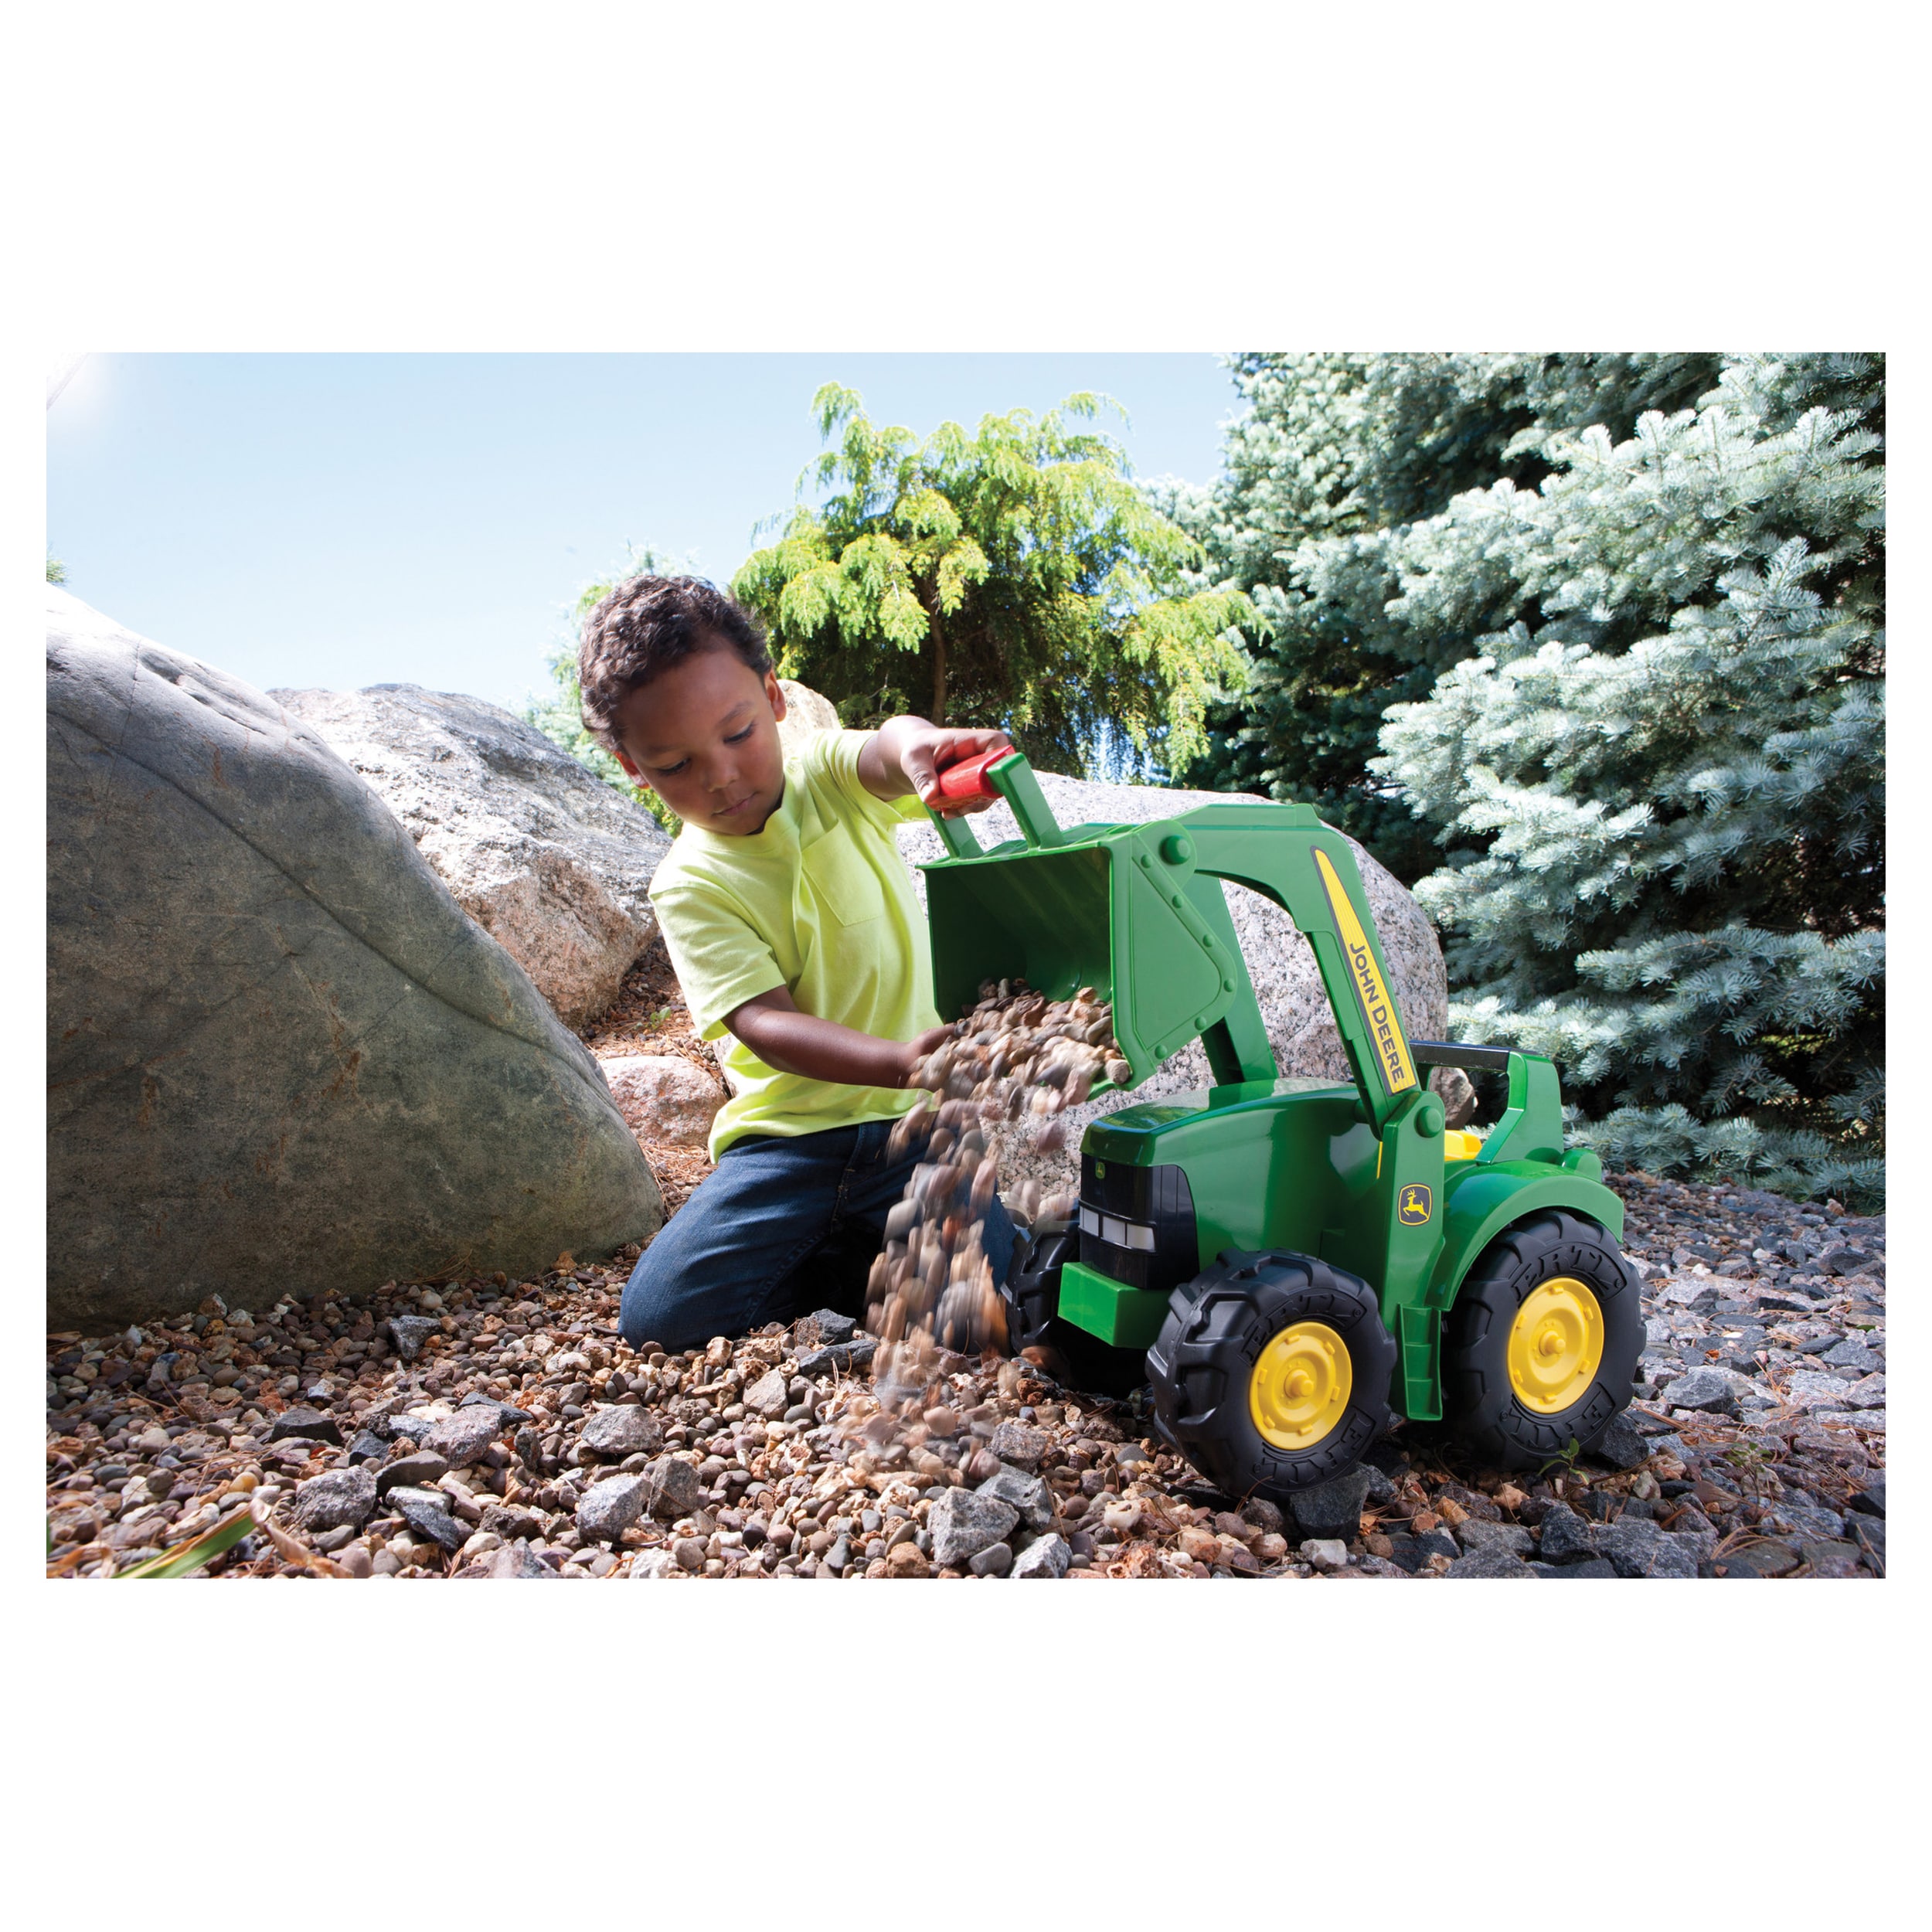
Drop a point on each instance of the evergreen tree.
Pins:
(1338, 456)
(1015, 577)
(1660, 780)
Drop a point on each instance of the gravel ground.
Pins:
(494, 1429)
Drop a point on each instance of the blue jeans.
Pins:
(783, 1224)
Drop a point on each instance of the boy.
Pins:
(790, 920)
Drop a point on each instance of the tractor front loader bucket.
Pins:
(1103, 907)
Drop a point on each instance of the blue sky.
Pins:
(346, 520)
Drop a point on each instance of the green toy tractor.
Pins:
(1292, 1264)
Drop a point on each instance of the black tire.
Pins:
(1203, 1360)
(1033, 1298)
(1482, 1404)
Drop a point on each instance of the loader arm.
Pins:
(1286, 853)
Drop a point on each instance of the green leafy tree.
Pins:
(1660, 782)
(56, 570)
(558, 712)
(1336, 457)
(1014, 578)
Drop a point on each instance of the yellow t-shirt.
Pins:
(817, 901)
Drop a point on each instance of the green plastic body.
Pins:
(1355, 1172)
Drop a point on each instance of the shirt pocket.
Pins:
(845, 885)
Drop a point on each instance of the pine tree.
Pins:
(1015, 577)
(1337, 457)
(1661, 780)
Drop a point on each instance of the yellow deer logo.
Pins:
(1413, 1208)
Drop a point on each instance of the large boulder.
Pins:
(808, 712)
(281, 1055)
(553, 863)
(1301, 1026)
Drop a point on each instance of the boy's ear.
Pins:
(624, 759)
(776, 696)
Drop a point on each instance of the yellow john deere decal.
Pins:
(1413, 1208)
(1377, 1008)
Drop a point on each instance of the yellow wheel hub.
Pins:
(1299, 1390)
(1555, 1345)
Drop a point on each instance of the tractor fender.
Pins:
(1484, 1200)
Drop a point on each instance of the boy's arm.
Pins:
(821, 1050)
(905, 756)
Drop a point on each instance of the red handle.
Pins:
(967, 780)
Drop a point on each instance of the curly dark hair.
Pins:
(646, 625)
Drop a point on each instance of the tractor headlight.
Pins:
(1137, 1224)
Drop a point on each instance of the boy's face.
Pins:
(704, 737)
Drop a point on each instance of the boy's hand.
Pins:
(908, 754)
(917, 1049)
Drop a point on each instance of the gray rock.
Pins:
(305, 1422)
(1294, 1007)
(410, 1331)
(278, 1049)
(514, 1521)
(1564, 1536)
(1476, 1536)
(1028, 1495)
(551, 863)
(962, 1523)
(1809, 1388)
(462, 1438)
(1048, 1556)
(1831, 1558)
(341, 1497)
(1807, 1519)
(1757, 1560)
(824, 1328)
(995, 1560)
(423, 1469)
(622, 1431)
(608, 1508)
(508, 1411)
(427, 1512)
(368, 1447)
(650, 1566)
(1620, 1446)
(1267, 1516)
(1015, 1443)
(1490, 1562)
(847, 1356)
(1707, 1391)
(673, 1488)
(1870, 1500)
(1380, 1490)
(1332, 1509)
(1869, 1533)
(1590, 1566)
(1633, 1546)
